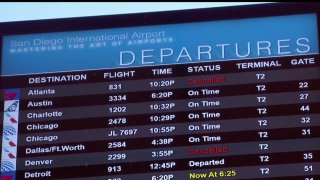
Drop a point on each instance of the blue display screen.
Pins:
(227, 94)
(161, 44)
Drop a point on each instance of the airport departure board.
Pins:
(234, 97)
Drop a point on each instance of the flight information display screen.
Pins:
(227, 98)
